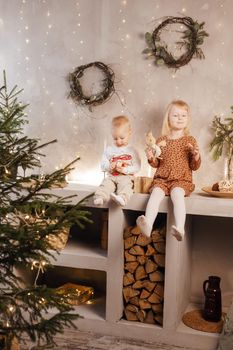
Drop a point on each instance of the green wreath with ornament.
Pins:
(191, 40)
(107, 82)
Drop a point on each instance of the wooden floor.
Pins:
(75, 340)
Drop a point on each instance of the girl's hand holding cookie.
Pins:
(194, 150)
(149, 153)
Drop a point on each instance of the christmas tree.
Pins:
(29, 214)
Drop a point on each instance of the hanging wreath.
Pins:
(107, 83)
(193, 36)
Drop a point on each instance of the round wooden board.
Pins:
(194, 319)
(220, 194)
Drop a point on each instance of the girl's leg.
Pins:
(145, 223)
(177, 196)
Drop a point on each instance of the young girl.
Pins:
(179, 157)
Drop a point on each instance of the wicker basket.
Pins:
(142, 184)
(59, 240)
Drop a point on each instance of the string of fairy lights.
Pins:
(33, 70)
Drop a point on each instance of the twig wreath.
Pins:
(193, 37)
(77, 93)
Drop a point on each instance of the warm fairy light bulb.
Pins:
(27, 41)
(27, 216)
(11, 308)
(123, 20)
(26, 27)
(50, 26)
(48, 14)
(183, 10)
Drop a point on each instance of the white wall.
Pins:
(43, 40)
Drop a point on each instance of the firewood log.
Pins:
(138, 285)
(162, 231)
(150, 266)
(144, 294)
(142, 259)
(156, 236)
(148, 285)
(127, 232)
(128, 279)
(129, 257)
(129, 292)
(140, 273)
(156, 276)
(131, 266)
(132, 308)
(134, 301)
(141, 315)
(154, 299)
(159, 289)
(150, 250)
(136, 250)
(160, 259)
(144, 304)
(160, 247)
(143, 240)
(136, 231)
(157, 308)
(150, 317)
(129, 242)
(130, 316)
(159, 318)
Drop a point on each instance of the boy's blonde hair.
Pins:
(180, 104)
(120, 121)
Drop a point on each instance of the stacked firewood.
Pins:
(143, 282)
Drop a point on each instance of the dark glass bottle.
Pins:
(213, 301)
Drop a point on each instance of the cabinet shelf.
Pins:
(92, 311)
(205, 250)
(82, 255)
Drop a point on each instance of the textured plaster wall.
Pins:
(43, 40)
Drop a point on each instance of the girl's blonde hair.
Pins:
(180, 104)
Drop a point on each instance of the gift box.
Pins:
(77, 293)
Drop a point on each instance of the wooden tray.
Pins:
(220, 194)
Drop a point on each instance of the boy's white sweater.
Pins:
(114, 151)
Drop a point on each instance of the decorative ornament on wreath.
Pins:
(91, 99)
(193, 37)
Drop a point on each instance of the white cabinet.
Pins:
(206, 250)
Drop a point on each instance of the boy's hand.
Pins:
(194, 150)
(120, 169)
(113, 166)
